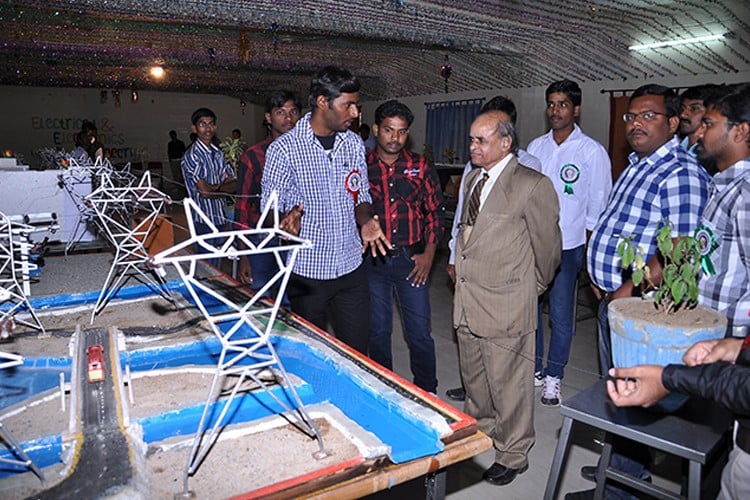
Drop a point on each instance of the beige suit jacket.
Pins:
(510, 254)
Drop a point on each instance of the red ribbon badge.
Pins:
(353, 184)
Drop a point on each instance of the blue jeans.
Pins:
(265, 267)
(386, 275)
(562, 315)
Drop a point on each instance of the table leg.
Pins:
(558, 459)
(694, 480)
(435, 485)
(601, 476)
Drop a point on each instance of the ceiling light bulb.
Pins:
(157, 72)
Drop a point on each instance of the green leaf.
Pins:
(680, 251)
(637, 276)
(668, 275)
(628, 257)
(678, 289)
(621, 246)
(686, 272)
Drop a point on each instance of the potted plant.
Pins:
(232, 150)
(658, 327)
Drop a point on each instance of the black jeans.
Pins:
(346, 299)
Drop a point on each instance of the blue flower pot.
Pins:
(640, 335)
(638, 341)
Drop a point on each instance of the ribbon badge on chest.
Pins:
(707, 243)
(353, 184)
(569, 174)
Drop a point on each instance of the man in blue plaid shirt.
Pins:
(319, 171)
(661, 182)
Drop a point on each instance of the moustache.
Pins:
(637, 132)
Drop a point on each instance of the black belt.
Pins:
(743, 439)
(410, 250)
(604, 295)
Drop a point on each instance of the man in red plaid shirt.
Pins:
(408, 200)
(282, 112)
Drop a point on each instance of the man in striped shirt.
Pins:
(209, 179)
(319, 171)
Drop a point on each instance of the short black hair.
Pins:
(671, 101)
(172, 134)
(567, 87)
(501, 103)
(202, 113)
(732, 101)
(331, 82)
(87, 125)
(699, 92)
(239, 132)
(278, 98)
(392, 108)
(364, 128)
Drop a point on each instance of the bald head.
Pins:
(492, 138)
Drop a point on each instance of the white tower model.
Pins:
(246, 350)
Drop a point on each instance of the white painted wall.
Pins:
(36, 117)
(531, 104)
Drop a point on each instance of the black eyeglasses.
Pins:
(648, 116)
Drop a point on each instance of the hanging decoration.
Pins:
(133, 95)
(116, 97)
(242, 106)
(244, 48)
(446, 71)
(274, 28)
(103, 97)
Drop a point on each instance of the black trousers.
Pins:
(346, 299)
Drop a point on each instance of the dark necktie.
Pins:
(476, 198)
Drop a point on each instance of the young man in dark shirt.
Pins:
(282, 111)
(408, 201)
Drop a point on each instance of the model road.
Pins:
(104, 463)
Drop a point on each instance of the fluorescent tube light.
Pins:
(672, 43)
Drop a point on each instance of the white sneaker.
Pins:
(538, 379)
(551, 391)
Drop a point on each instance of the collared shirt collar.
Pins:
(662, 151)
(498, 168)
(726, 177)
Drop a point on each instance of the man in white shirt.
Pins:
(581, 171)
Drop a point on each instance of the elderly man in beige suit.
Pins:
(507, 250)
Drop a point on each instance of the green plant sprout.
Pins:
(680, 270)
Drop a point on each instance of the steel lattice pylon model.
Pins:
(11, 290)
(77, 181)
(126, 216)
(8, 360)
(242, 355)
